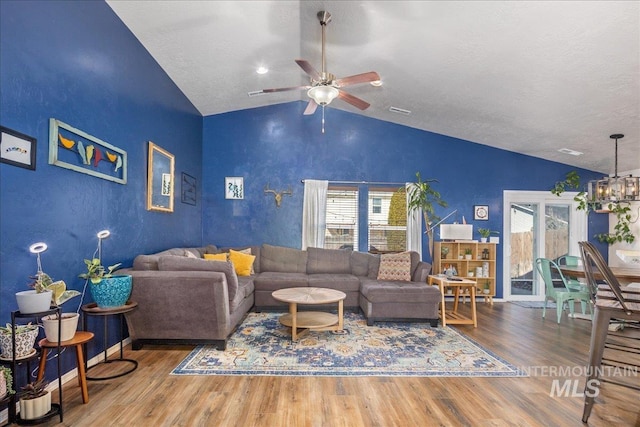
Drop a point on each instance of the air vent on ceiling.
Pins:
(570, 151)
(399, 111)
(255, 93)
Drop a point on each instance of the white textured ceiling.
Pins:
(526, 76)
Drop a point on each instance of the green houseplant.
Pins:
(485, 233)
(444, 251)
(107, 289)
(622, 210)
(423, 196)
(35, 400)
(6, 382)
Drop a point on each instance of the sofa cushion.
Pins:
(340, 282)
(245, 289)
(321, 260)
(395, 267)
(217, 257)
(179, 263)
(281, 259)
(374, 266)
(377, 291)
(360, 263)
(242, 262)
(274, 280)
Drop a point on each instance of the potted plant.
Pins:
(35, 400)
(37, 299)
(444, 251)
(487, 287)
(108, 290)
(25, 339)
(467, 253)
(485, 233)
(423, 196)
(6, 382)
(69, 321)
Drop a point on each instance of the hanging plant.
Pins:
(622, 210)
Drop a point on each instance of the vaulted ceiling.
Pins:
(526, 76)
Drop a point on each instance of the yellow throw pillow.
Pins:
(248, 252)
(241, 262)
(217, 257)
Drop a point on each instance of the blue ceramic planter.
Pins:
(111, 292)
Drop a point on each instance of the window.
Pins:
(376, 204)
(342, 218)
(387, 228)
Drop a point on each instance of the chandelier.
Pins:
(614, 189)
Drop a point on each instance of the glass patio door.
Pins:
(539, 225)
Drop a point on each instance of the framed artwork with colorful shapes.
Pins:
(71, 148)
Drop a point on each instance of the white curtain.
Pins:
(414, 226)
(314, 215)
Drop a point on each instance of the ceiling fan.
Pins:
(324, 87)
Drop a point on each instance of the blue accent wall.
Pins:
(77, 62)
(280, 146)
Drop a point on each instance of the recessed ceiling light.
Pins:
(376, 83)
(262, 70)
(570, 151)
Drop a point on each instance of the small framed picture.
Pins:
(234, 187)
(481, 212)
(17, 149)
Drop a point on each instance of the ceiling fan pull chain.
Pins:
(323, 119)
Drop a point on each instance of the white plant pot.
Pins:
(3, 386)
(68, 327)
(467, 257)
(33, 302)
(24, 344)
(30, 409)
(485, 291)
(483, 240)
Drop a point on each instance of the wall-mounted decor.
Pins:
(160, 179)
(481, 212)
(234, 187)
(71, 148)
(189, 195)
(277, 195)
(17, 149)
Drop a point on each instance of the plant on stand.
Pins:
(25, 339)
(423, 196)
(35, 400)
(444, 251)
(108, 290)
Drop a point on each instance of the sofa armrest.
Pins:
(422, 272)
(179, 305)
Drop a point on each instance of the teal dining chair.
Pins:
(561, 294)
(572, 282)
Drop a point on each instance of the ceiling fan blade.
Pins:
(311, 108)
(355, 101)
(371, 76)
(308, 68)
(284, 89)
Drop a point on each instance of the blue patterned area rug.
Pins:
(262, 346)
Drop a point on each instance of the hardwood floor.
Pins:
(151, 397)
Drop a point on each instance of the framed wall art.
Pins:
(188, 186)
(17, 149)
(73, 149)
(160, 179)
(234, 187)
(481, 212)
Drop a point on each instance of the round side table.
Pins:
(93, 310)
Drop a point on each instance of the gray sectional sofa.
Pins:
(183, 298)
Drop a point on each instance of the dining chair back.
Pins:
(561, 294)
(611, 302)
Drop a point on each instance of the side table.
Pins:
(458, 285)
(93, 310)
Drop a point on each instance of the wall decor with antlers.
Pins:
(278, 194)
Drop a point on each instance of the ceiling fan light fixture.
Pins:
(323, 95)
(376, 83)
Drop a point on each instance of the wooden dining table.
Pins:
(623, 274)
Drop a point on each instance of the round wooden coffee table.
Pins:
(310, 320)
